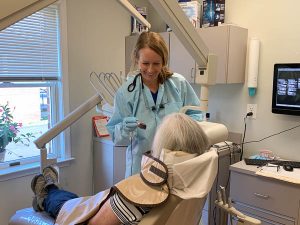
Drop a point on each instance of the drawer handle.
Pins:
(261, 195)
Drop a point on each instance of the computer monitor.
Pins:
(286, 89)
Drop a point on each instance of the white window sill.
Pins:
(22, 170)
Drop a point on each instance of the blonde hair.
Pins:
(155, 42)
(179, 132)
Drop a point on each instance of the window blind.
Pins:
(29, 49)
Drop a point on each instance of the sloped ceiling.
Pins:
(12, 11)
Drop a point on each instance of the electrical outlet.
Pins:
(252, 108)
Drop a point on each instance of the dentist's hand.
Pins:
(130, 124)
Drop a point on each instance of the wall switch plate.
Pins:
(252, 108)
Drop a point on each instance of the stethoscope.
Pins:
(132, 86)
(153, 108)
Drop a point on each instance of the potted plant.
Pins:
(9, 129)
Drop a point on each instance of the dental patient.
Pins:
(179, 164)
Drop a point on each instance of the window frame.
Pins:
(26, 166)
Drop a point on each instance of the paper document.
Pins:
(280, 174)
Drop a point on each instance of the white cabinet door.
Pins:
(229, 43)
(180, 60)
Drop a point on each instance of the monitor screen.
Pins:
(286, 89)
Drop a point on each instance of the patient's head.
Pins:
(179, 132)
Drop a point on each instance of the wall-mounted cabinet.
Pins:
(228, 42)
(180, 60)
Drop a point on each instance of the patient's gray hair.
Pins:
(179, 132)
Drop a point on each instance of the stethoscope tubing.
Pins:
(132, 86)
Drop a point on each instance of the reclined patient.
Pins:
(178, 164)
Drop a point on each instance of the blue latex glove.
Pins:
(130, 123)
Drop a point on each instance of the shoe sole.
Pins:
(53, 170)
(33, 182)
(35, 205)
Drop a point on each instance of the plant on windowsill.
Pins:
(9, 129)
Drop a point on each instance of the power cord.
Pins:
(256, 141)
(272, 135)
(244, 134)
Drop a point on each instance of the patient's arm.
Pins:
(105, 216)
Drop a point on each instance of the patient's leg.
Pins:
(48, 197)
(55, 199)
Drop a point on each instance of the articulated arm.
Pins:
(206, 71)
(135, 13)
(174, 16)
(226, 205)
(61, 126)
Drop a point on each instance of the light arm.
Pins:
(61, 126)
(174, 16)
(135, 13)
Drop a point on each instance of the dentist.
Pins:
(148, 97)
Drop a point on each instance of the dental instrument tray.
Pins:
(263, 162)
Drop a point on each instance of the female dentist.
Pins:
(146, 98)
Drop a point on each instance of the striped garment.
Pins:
(126, 212)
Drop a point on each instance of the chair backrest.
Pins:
(176, 211)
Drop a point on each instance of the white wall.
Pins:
(96, 31)
(274, 23)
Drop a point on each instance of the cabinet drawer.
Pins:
(266, 217)
(265, 193)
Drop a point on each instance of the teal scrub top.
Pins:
(172, 95)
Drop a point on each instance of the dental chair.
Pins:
(175, 211)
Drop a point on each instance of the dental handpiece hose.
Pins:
(140, 125)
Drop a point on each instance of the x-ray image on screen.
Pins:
(286, 89)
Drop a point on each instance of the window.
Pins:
(31, 86)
